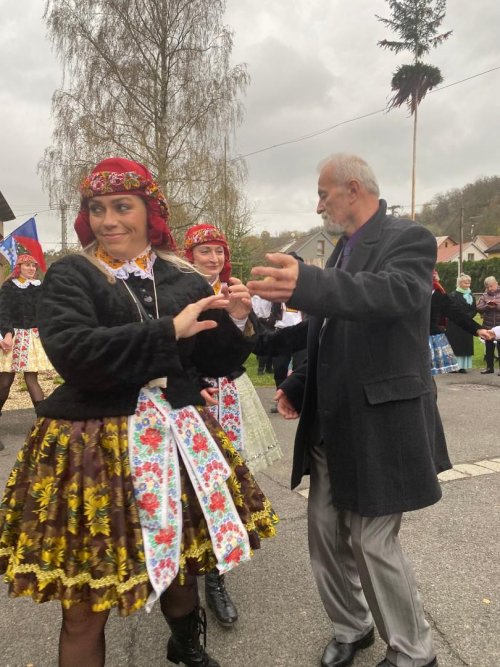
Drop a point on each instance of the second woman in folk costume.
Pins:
(443, 308)
(127, 487)
(21, 349)
(238, 409)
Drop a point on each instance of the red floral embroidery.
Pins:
(231, 435)
(149, 503)
(235, 555)
(200, 443)
(151, 437)
(165, 536)
(229, 400)
(217, 501)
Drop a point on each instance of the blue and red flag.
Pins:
(23, 239)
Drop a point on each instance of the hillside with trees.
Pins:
(480, 202)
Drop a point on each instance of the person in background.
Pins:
(127, 488)
(443, 310)
(262, 310)
(462, 342)
(488, 306)
(369, 433)
(238, 408)
(21, 349)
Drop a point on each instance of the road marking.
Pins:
(459, 471)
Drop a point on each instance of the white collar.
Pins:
(131, 267)
(27, 282)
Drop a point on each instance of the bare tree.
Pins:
(417, 23)
(150, 80)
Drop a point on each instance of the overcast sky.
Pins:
(313, 64)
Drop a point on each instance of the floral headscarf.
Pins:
(21, 259)
(206, 234)
(119, 175)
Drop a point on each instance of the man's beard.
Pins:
(331, 227)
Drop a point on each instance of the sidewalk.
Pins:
(454, 546)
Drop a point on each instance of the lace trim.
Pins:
(25, 283)
(83, 578)
(141, 266)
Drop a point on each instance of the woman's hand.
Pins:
(6, 343)
(485, 334)
(210, 395)
(240, 302)
(186, 322)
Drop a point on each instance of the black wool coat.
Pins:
(93, 335)
(366, 390)
(18, 307)
(460, 327)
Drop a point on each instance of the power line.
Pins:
(353, 120)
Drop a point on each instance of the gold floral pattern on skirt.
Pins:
(69, 525)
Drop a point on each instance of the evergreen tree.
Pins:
(416, 23)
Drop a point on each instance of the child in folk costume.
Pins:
(238, 409)
(127, 487)
(21, 348)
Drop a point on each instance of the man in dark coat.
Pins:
(369, 433)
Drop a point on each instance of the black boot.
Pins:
(218, 599)
(184, 644)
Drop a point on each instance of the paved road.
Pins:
(454, 546)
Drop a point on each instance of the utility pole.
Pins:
(461, 239)
(64, 229)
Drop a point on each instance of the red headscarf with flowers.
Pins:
(206, 234)
(118, 175)
(21, 259)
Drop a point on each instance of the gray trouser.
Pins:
(363, 576)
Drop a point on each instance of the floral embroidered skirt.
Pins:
(69, 522)
(27, 354)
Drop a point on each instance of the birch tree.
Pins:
(150, 80)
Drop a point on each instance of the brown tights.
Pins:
(178, 601)
(82, 642)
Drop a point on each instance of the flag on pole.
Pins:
(8, 250)
(23, 239)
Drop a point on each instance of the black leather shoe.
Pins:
(484, 372)
(218, 599)
(338, 654)
(386, 663)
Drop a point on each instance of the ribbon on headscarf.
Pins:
(157, 434)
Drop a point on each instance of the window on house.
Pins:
(320, 248)
(470, 256)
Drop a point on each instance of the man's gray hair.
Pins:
(351, 168)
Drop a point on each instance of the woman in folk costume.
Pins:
(20, 344)
(443, 308)
(127, 487)
(238, 409)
